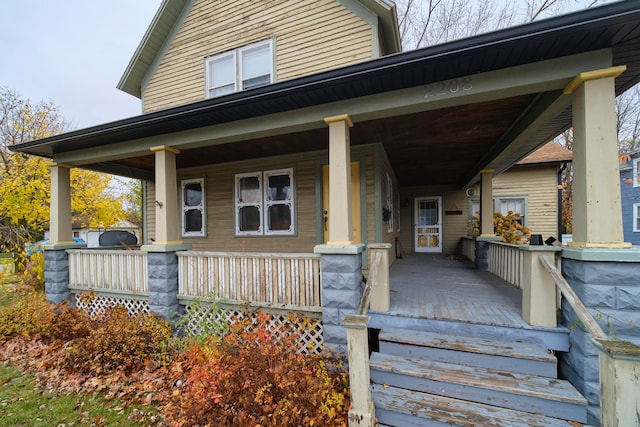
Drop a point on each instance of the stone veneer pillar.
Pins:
(163, 284)
(606, 281)
(56, 276)
(342, 287)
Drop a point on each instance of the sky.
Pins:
(73, 53)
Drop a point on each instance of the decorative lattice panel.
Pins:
(202, 318)
(97, 304)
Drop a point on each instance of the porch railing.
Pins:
(469, 248)
(362, 412)
(111, 270)
(506, 261)
(269, 278)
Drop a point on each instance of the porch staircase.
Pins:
(422, 378)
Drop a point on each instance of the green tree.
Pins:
(25, 180)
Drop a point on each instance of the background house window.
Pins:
(636, 172)
(516, 204)
(244, 68)
(265, 203)
(636, 217)
(389, 205)
(193, 207)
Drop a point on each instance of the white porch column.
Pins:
(486, 203)
(168, 223)
(340, 225)
(597, 211)
(60, 206)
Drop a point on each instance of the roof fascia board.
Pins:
(368, 16)
(129, 82)
(159, 55)
(524, 79)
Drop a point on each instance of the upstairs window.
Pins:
(193, 207)
(265, 203)
(244, 68)
(636, 217)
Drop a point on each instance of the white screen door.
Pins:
(428, 224)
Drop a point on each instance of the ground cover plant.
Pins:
(242, 378)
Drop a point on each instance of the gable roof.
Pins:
(168, 16)
(548, 153)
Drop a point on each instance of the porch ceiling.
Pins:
(451, 141)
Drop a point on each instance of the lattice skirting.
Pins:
(96, 304)
(210, 318)
(202, 317)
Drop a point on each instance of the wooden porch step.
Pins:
(510, 356)
(396, 407)
(527, 393)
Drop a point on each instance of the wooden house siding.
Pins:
(220, 208)
(149, 222)
(384, 171)
(540, 185)
(309, 37)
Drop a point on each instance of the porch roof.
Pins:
(389, 99)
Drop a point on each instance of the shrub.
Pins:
(506, 226)
(33, 274)
(249, 377)
(30, 315)
(119, 341)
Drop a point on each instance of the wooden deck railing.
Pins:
(506, 261)
(117, 270)
(269, 278)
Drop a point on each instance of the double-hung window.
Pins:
(636, 172)
(636, 217)
(193, 207)
(244, 68)
(265, 203)
(516, 204)
(388, 212)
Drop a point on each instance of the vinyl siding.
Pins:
(630, 196)
(309, 37)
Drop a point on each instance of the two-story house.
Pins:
(282, 140)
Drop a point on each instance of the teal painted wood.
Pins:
(491, 353)
(403, 408)
(551, 338)
(538, 395)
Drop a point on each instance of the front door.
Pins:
(428, 224)
(355, 202)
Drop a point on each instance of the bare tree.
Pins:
(429, 22)
(628, 115)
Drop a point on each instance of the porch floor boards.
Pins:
(433, 286)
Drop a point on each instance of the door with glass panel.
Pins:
(428, 224)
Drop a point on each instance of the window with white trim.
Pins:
(265, 203)
(636, 172)
(244, 68)
(516, 204)
(192, 202)
(636, 217)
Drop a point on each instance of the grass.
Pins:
(22, 403)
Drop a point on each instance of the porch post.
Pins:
(597, 211)
(619, 383)
(380, 299)
(487, 233)
(486, 203)
(340, 225)
(60, 229)
(56, 260)
(162, 260)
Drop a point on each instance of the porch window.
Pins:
(244, 68)
(193, 207)
(265, 203)
(636, 217)
(636, 172)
